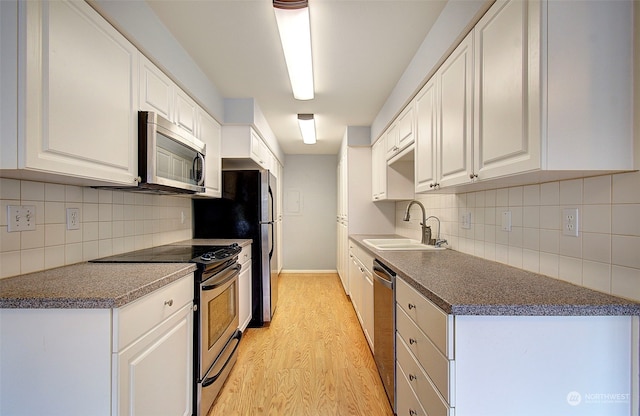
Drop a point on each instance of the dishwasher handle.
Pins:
(383, 275)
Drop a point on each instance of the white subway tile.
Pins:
(490, 198)
(502, 237)
(117, 229)
(596, 247)
(105, 212)
(595, 219)
(73, 194)
(550, 217)
(478, 249)
(549, 264)
(490, 233)
(73, 253)
(32, 239)
(515, 237)
(489, 251)
(571, 246)
(570, 269)
(515, 196)
(32, 191)
(550, 241)
(55, 213)
(105, 196)
(571, 192)
(9, 241)
(129, 198)
(597, 190)
(31, 260)
(626, 188)
(531, 238)
(531, 195)
(596, 275)
(104, 230)
(105, 248)
(479, 232)
(625, 282)
(471, 200)
(90, 250)
(54, 256)
(626, 219)
(90, 195)
(118, 213)
(515, 257)
(90, 231)
(531, 217)
(480, 199)
(118, 197)
(516, 216)
(531, 260)
(502, 197)
(90, 212)
(9, 264)
(73, 236)
(502, 253)
(9, 189)
(54, 192)
(550, 193)
(490, 216)
(625, 251)
(54, 234)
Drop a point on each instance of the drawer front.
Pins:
(421, 385)
(430, 358)
(407, 404)
(137, 318)
(361, 254)
(245, 255)
(431, 319)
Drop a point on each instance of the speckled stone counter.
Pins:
(95, 285)
(462, 284)
(89, 285)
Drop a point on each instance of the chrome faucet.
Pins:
(426, 230)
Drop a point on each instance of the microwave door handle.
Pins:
(198, 159)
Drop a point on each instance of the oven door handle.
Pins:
(209, 381)
(234, 271)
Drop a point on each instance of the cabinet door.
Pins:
(156, 90)
(426, 134)
(186, 112)
(244, 291)
(507, 90)
(258, 149)
(209, 133)
(367, 306)
(391, 141)
(154, 374)
(406, 127)
(455, 115)
(379, 170)
(81, 94)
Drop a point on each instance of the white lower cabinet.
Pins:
(134, 360)
(244, 288)
(361, 289)
(466, 365)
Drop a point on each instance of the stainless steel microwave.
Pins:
(169, 159)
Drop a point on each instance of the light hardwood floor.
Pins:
(312, 360)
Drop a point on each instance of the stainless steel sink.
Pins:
(399, 244)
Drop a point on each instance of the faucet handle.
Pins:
(439, 243)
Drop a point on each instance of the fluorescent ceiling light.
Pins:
(295, 35)
(307, 128)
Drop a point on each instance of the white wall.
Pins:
(111, 222)
(309, 228)
(604, 257)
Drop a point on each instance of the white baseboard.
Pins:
(308, 271)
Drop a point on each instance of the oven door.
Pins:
(218, 313)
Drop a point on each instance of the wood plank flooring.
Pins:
(312, 360)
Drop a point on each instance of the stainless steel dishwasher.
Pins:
(384, 279)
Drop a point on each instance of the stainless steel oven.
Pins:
(219, 336)
(384, 327)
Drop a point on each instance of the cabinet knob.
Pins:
(137, 179)
(412, 412)
(412, 341)
(169, 302)
(411, 306)
(412, 377)
(473, 176)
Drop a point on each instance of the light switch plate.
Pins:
(506, 221)
(21, 218)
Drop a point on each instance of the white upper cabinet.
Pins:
(210, 134)
(379, 170)
(444, 123)
(400, 135)
(454, 143)
(77, 96)
(156, 90)
(186, 112)
(243, 142)
(507, 89)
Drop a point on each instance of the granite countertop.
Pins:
(462, 284)
(95, 285)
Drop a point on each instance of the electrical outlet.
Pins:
(21, 218)
(73, 218)
(570, 222)
(506, 221)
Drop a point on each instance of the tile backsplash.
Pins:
(111, 222)
(605, 256)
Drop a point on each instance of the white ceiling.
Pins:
(360, 50)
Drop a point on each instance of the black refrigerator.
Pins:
(246, 210)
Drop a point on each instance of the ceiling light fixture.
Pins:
(292, 17)
(307, 128)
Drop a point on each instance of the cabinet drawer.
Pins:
(245, 255)
(362, 255)
(422, 387)
(137, 318)
(407, 404)
(429, 357)
(429, 318)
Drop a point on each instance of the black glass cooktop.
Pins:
(162, 254)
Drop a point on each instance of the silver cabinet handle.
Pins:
(169, 302)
